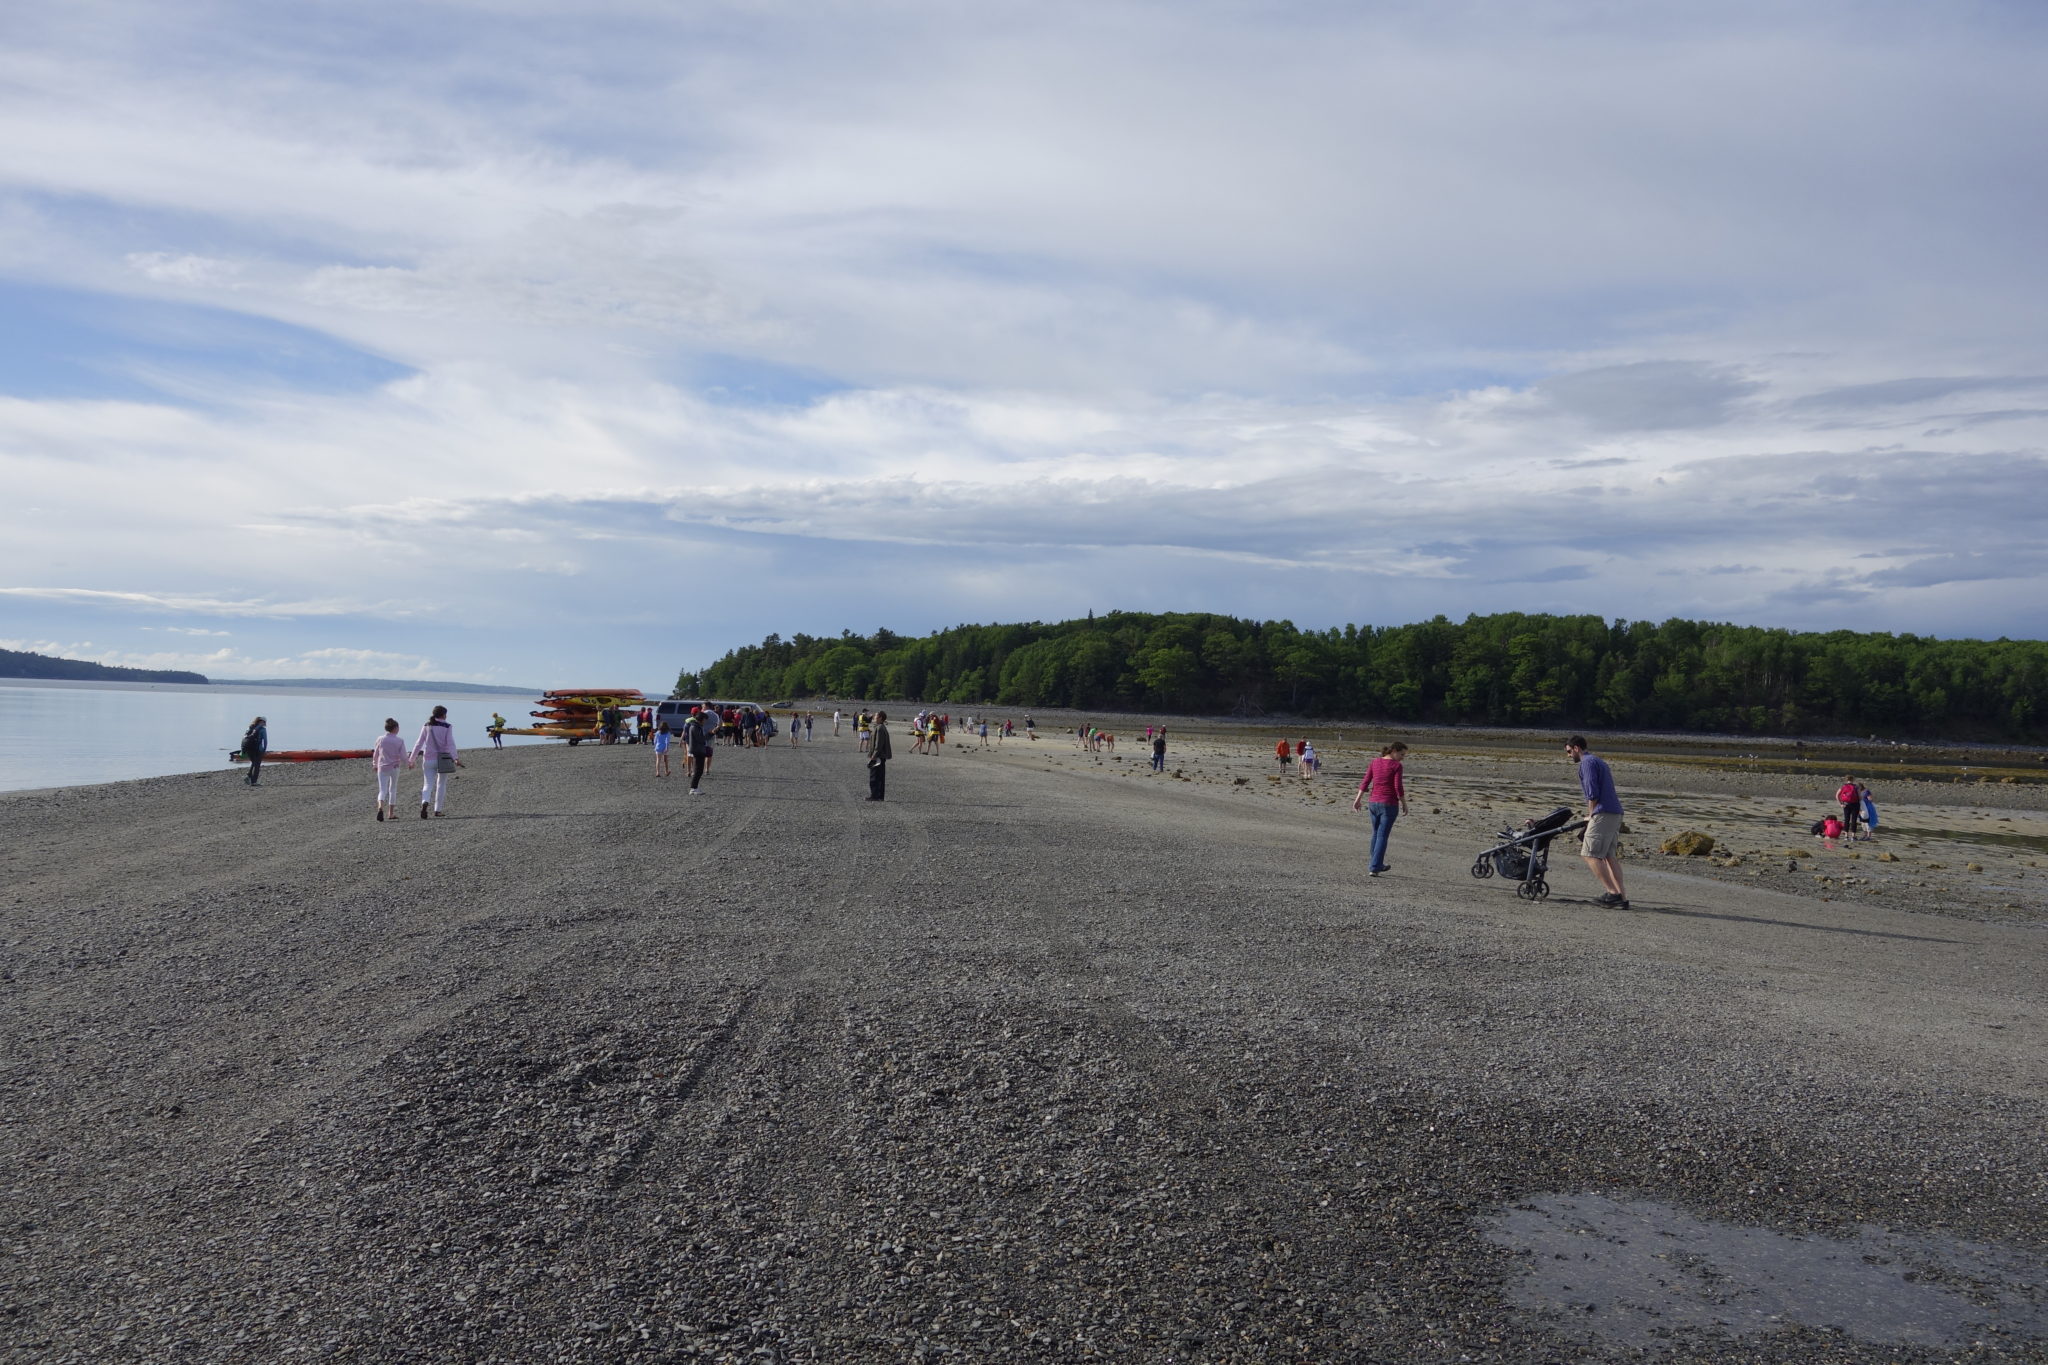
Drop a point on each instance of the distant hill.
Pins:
(15, 663)
(373, 685)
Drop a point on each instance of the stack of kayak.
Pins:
(573, 713)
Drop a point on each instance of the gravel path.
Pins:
(1042, 1059)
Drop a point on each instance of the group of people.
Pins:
(1383, 795)
(434, 753)
(1858, 820)
(1302, 754)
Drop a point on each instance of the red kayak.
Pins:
(303, 755)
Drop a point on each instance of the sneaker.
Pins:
(1372, 872)
(1621, 903)
(423, 810)
(380, 813)
(1609, 898)
(437, 815)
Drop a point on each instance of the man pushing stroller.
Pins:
(1603, 820)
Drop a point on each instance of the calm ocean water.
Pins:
(63, 735)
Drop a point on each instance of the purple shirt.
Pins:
(1597, 782)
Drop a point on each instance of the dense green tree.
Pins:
(1505, 669)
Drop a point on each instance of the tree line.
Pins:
(1504, 669)
(22, 663)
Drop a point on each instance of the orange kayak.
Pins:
(303, 755)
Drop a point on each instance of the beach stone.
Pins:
(1887, 857)
(1690, 844)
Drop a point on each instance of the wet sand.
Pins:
(1045, 1058)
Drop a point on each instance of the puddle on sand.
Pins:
(1633, 1272)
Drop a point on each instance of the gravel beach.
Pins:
(1046, 1058)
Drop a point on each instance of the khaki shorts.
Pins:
(1603, 832)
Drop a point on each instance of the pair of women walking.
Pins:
(435, 753)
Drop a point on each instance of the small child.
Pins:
(1831, 828)
(387, 757)
(661, 751)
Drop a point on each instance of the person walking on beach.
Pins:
(661, 751)
(497, 731)
(435, 752)
(1851, 798)
(1384, 794)
(697, 736)
(796, 729)
(1283, 753)
(1869, 811)
(1159, 750)
(807, 727)
(1603, 820)
(835, 722)
(255, 744)
(387, 757)
(1311, 763)
(879, 754)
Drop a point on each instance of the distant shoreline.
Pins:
(417, 689)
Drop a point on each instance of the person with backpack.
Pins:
(255, 744)
(1851, 798)
(435, 752)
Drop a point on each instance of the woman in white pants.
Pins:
(387, 756)
(435, 752)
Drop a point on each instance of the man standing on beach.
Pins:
(879, 754)
(1603, 820)
(697, 744)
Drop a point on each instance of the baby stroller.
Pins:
(1523, 856)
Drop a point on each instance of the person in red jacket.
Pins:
(1283, 753)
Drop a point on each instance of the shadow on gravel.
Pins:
(1638, 1272)
(1795, 924)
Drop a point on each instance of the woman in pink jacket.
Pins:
(1383, 794)
(435, 752)
(387, 756)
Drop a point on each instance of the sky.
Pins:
(510, 342)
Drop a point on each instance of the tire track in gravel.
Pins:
(777, 1063)
(357, 995)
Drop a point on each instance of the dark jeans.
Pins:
(878, 778)
(697, 762)
(1158, 763)
(1382, 813)
(1852, 816)
(255, 768)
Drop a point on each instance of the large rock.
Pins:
(1691, 844)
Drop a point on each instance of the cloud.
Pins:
(1648, 395)
(1327, 312)
(198, 604)
(1900, 392)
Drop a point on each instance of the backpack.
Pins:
(249, 741)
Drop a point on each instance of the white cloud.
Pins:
(1353, 310)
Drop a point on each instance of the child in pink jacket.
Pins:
(387, 757)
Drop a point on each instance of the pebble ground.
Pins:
(1035, 1061)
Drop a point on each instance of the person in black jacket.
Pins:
(255, 744)
(697, 733)
(879, 754)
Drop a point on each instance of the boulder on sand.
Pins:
(1691, 844)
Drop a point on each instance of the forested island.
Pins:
(16, 663)
(1506, 669)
